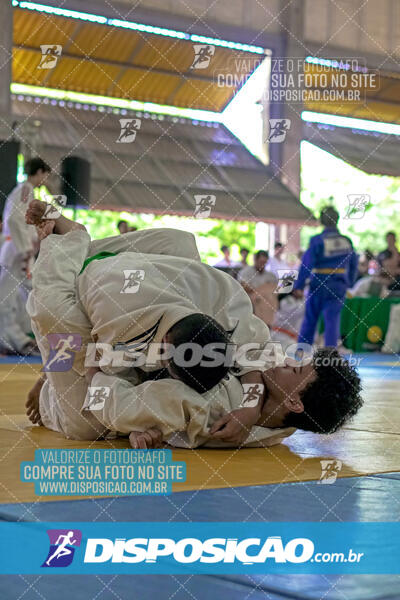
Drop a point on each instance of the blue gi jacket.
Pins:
(329, 262)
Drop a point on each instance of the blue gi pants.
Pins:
(330, 305)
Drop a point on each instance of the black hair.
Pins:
(391, 233)
(244, 250)
(329, 216)
(278, 245)
(368, 254)
(33, 165)
(261, 253)
(122, 223)
(223, 248)
(201, 330)
(332, 398)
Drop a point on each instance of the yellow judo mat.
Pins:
(370, 445)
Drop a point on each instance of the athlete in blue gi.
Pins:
(330, 264)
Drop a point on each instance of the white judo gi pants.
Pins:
(14, 289)
(54, 308)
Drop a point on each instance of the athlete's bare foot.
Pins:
(143, 440)
(32, 403)
(39, 212)
(35, 211)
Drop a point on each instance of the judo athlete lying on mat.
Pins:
(90, 301)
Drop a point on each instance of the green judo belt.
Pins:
(98, 256)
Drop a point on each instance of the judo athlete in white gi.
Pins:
(16, 255)
(92, 304)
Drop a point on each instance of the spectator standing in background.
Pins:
(389, 259)
(276, 262)
(390, 250)
(2, 236)
(123, 227)
(226, 262)
(364, 264)
(16, 254)
(330, 264)
(260, 285)
(244, 253)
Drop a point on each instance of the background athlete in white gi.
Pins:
(184, 416)
(16, 256)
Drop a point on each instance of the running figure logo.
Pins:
(129, 129)
(252, 394)
(330, 470)
(51, 213)
(204, 204)
(62, 351)
(286, 277)
(133, 279)
(202, 55)
(278, 129)
(62, 547)
(50, 55)
(357, 205)
(58, 199)
(96, 398)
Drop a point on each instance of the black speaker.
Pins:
(8, 171)
(75, 180)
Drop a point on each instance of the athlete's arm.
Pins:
(305, 269)
(235, 426)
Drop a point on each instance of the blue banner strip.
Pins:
(194, 548)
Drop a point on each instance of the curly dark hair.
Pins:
(332, 398)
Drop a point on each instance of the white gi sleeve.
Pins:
(21, 233)
(167, 404)
(181, 414)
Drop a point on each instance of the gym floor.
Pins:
(280, 483)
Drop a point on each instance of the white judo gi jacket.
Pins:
(19, 237)
(170, 288)
(91, 303)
